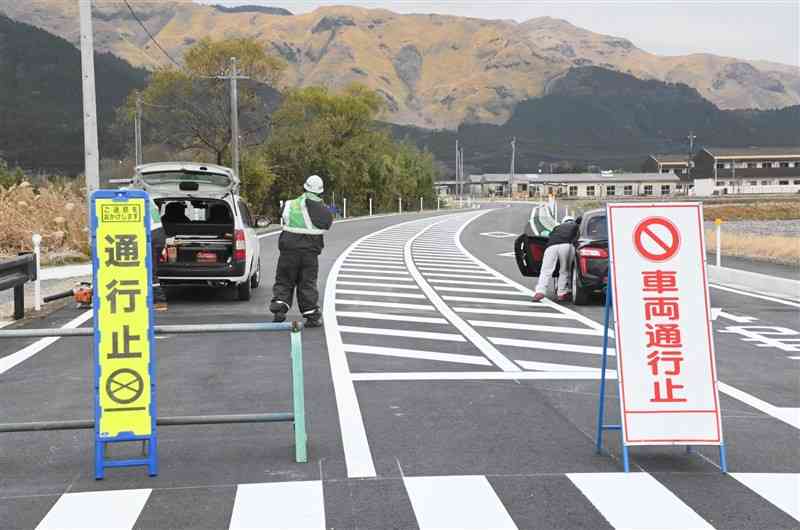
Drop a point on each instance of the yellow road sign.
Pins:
(122, 302)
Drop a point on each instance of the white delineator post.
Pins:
(438, 203)
(344, 208)
(370, 206)
(91, 154)
(420, 204)
(37, 285)
(718, 222)
(399, 205)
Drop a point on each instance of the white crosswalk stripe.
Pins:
(633, 500)
(781, 489)
(636, 500)
(279, 505)
(464, 502)
(116, 509)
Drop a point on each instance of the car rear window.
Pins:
(596, 227)
(166, 177)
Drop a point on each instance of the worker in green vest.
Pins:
(305, 220)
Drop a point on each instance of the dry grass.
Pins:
(753, 211)
(57, 211)
(778, 249)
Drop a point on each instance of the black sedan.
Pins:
(590, 269)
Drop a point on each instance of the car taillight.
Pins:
(593, 252)
(587, 253)
(239, 253)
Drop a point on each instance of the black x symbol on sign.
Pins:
(124, 386)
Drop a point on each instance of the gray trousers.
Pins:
(563, 255)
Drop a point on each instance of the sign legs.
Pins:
(602, 404)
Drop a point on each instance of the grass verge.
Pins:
(56, 211)
(777, 249)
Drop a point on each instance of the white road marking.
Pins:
(507, 254)
(636, 500)
(418, 354)
(387, 294)
(439, 260)
(512, 313)
(790, 415)
(351, 265)
(734, 318)
(481, 291)
(462, 282)
(780, 489)
(555, 346)
(279, 505)
(403, 333)
(394, 305)
(534, 327)
(10, 361)
(470, 276)
(373, 284)
(373, 261)
(117, 509)
(755, 295)
(368, 277)
(458, 270)
(464, 502)
(473, 336)
(499, 235)
(394, 317)
(558, 367)
(480, 376)
(491, 301)
(349, 268)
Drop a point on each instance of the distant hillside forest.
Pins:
(590, 116)
(594, 116)
(41, 113)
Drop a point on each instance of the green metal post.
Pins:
(298, 394)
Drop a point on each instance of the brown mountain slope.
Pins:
(433, 70)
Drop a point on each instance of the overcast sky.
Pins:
(767, 29)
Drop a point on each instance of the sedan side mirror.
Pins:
(263, 222)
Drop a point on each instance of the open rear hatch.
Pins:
(190, 180)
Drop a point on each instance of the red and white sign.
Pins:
(665, 349)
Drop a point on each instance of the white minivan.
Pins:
(209, 233)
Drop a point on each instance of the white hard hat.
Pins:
(314, 184)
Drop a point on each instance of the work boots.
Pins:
(313, 318)
(279, 309)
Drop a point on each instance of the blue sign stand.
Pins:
(101, 442)
(601, 426)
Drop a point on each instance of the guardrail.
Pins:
(14, 274)
(297, 416)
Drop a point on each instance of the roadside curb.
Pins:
(763, 283)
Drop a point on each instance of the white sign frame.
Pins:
(666, 237)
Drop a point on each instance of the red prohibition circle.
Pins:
(643, 230)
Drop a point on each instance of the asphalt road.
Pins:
(438, 396)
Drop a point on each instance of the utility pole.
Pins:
(511, 174)
(458, 172)
(90, 148)
(137, 130)
(235, 115)
(461, 170)
(690, 162)
(233, 77)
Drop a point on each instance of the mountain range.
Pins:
(434, 71)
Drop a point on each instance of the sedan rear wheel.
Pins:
(580, 295)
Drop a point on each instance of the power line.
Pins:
(135, 16)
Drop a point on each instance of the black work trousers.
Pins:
(297, 269)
